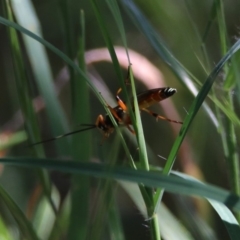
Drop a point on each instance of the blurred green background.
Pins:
(182, 25)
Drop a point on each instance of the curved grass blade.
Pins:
(227, 127)
(224, 213)
(116, 65)
(172, 184)
(200, 98)
(166, 218)
(26, 16)
(197, 103)
(117, 15)
(108, 40)
(24, 225)
(161, 49)
(25, 102)
(74, 66)
(57, 52)
(81, 149)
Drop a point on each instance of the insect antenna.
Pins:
(90, 126)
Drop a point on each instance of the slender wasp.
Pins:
(121, 113)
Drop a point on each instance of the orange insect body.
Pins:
(150, 97)
(121, 114)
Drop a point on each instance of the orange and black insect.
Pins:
(121, 114)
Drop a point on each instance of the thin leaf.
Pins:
(161, 49)
(193, 111)
(27, 17)
(78, 227)
(224, 213)
(24, 225)
(172, 184)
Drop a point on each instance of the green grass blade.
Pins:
(222, 26)
(76, 68)
(167, 221)
(115, 225)
(23, 87)
(197, 103)
(63, 57)
(146, 192)
(227, 128)
(26, 16)
(136, 123)
(111, 50)
(139, 129)
(81, 149)
(118, 73)
(161, 49)
(5, 233)
(149, 178)
(44, 216)
(25, 102)
(210, 21)
(118, 19)
(224, 213)
(108, 40)
(25, 226)
(14, 139)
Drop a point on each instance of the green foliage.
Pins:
(92, 173)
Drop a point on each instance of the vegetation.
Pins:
(124, 187)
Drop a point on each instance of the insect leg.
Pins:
(157, 116)
(130, 129)
(114, 113)
(120, 102)
(127, 82)
(100, 120)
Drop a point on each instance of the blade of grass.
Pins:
(60, 226)
(227, 130)
(161, 49)
(6, 234)
(211, 20)
(139, 129)
(106, 196)
(118, 73)
(203, 58)
(44, 217)
(25, 102)
(26, 16)
(147, 193)
(118, 19)
(192, 113)
(224, 213)
(115, 10)
(76, 68)
(25, 226)
(81, 149)
(172, 184)
(108, 41)
(115, 225)
(68, 39)
(14, 139)
(232, 75)
(166, 218)
(182, 73)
